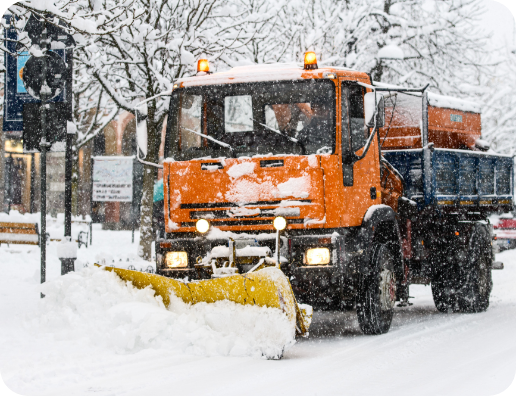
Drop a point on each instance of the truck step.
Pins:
(497, 265)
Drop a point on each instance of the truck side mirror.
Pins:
(372, 107)
(380, 115)
(141, 128)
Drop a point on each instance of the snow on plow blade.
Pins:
(268, 287)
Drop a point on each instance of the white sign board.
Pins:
(113, 179)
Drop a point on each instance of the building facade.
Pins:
(20, 176)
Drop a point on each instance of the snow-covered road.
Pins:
(425, 352)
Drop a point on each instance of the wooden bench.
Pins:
(19, 233)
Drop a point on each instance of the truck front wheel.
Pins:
(377, 292)
(444, 284)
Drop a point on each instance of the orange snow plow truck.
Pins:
(276, 174)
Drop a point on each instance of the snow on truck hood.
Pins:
(436, 100)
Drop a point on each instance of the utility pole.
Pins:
(68, 185)
(67, 251)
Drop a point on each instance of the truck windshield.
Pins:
(286, 117)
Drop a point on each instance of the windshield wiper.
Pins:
(220, 143)
(293, 140)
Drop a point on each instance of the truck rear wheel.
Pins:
(377, 293)
(475, 278)
(463, 282)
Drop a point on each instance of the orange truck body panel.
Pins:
(443, 131)
(391, 187)
(314, 178)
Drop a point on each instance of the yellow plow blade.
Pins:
(268, 287)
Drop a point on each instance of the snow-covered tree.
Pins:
(93, 109)
(136, 49)
(441, 44)
(397, 41)
(499, 106)
(281, 31)
(159, 42)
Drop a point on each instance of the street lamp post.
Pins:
(44, 145)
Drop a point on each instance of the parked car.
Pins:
(504, 228)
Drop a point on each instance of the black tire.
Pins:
(444, 298)
(444, 282)
(347, 305)
(475, 279)
(512, 244)
(377, 292)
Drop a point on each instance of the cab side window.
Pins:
(354, 133)
(357, 128)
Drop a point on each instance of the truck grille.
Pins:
(241, 222)
(245, 213)
(209, 205)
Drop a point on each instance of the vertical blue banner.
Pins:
(22, 59)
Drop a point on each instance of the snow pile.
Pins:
(297, 187)
(244, 190)
(449, 102)
(67, 248)
(55, 225)
(16, 217)
(98, 306)
(244, 212)
(239, 170)
(436, 100)
(246, 74)
(128, 261)
(391, 51)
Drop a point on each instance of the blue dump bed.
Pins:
(455, 179)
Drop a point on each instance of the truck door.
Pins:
(360, 179)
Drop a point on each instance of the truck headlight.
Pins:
(176, 259)
(318, 256)
(202, 226)
(280, 223)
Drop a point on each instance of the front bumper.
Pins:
(322, 286)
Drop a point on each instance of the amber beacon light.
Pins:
(203, 66)
(310, 61)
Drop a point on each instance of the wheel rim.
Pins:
(387, 290)
(483, 282)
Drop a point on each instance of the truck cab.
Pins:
(256, 143)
